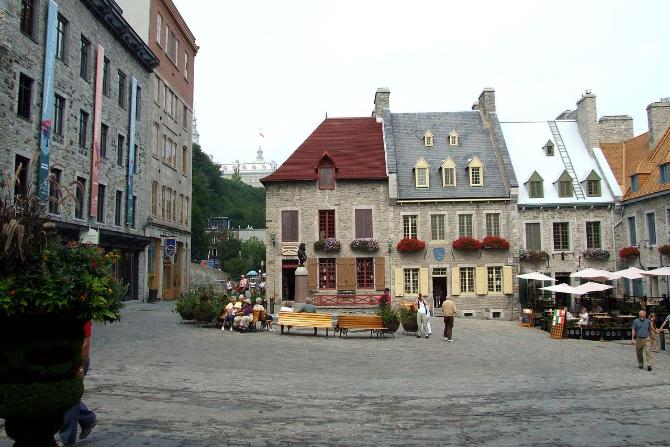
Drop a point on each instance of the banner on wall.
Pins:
(46, 121)
(130, 211)
(97, 123)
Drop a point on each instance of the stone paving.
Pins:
(156, 382)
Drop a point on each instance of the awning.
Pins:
(123, 241)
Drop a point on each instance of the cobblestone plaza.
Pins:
(156, 382)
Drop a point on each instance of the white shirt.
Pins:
(423, 308)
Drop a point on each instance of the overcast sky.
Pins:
(280, 66)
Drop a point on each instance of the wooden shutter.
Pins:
(455, 281)
(345, 273)
(380, 273)
(363, 223)
(423, 281)
(481, 283)
(399, 282)
(508, 281)
(312, 274)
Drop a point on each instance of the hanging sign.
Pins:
(170, 247)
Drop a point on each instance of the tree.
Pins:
(229, 246)
(254, 250)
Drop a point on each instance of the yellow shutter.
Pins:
(455, 281)
(399, 283)
(508, 281)
(380, 273)
(423, 281)
(481, 284)
(312, 274)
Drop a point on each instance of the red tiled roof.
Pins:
(354, 145)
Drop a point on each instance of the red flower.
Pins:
(409, 244)
(495, 242)
(94, 264)
(629, 252)
(466, 243)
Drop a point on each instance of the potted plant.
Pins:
(664, 250)
(466, 243)
(390, 318)
(629, 252)
(204, 311)
(407, 316)
(364, 244)
(409, 245)
(533, 255)
(495, 243)
(596, 253)
(48, 291)
(185, 305)
(328, 245)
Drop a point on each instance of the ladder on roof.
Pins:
(576, 186)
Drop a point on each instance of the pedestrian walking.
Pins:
(641, 332)
(653, 333)
(79, 414)
(422, 314)
(449, 310)
(229, 288)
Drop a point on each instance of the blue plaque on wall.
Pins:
(439, 253)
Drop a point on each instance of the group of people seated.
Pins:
(239, 314)
(583, 316)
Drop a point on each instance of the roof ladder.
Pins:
(576, 186)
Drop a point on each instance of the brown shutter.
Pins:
(345, 273)
(285, 226)
(312, 277)
(380, 273)
(363, 223)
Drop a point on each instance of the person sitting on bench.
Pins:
(308, 307)
(244, 316)
(263, 316)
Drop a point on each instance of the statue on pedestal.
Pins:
(302, 257)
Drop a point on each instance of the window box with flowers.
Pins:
(409, 245)
(365, 244)
(629, 252)
(328, 245)
(466, 243)
(596, 253)
(495, 243)
(664, 250)
(533, 255)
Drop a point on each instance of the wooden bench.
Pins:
(305, 319)
(372, 323)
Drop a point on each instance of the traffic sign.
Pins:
(170, 247)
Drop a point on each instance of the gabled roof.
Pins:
(647, 163)
(354, 145)
(403, 134)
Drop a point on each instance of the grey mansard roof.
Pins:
(403, 135)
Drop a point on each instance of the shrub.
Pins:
(629, 252)
(495, 242)
(409, 244)
(389, 314)
(328, 245)
(365, 244)
(467, 243)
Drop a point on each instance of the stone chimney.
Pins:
(587, 120)
(487, 100)
(658, 116)
(382, 101)
(615, 128)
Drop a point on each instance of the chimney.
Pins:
(658, 116)
(487, 100)
(382, 101)
(615, 128)
(587, 120)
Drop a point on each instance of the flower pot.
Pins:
(410, 325)
(203, 317)
(39, 358)
(391, 326)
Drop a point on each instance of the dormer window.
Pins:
(428, 139)
(421, 174)
(535, 186)
(593, 185)
(475, 171)
(326, 175)
(549, 149)
(634, 183)
(453, 138)
(448, 173)
(665, 172)
(565, 188)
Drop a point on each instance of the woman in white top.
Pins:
(422, 314)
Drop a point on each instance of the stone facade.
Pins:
(23, 54)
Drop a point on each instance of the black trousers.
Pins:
(448, 326)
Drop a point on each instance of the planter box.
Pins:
(611, 334)
(574, 332)
(626, 333)
(592, 333)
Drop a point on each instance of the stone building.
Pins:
(450, 179)
(567, 199)
(168, 186)
(75, 116)
(334, 186)
(641, 166)
(250, 172)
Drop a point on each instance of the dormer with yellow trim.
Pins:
(421, 173)
(428, 139)
(448, 168)
(453, 138)
(476, 172)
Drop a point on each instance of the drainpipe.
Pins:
(614, 226)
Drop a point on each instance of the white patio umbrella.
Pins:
(663, 271)
(598, 275)
(630, 273)
(563, 288)
(592, 287)
(536, 276)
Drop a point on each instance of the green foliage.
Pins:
(236, 266)
(254, 250)
(20, 400)
(389, 314)
(215, 196)
(185, 305)
(229, 245)
(407, 313)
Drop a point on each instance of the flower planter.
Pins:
(574, 332)
(409, 245)
(495, 243)
(590, 333)
(466, 243)
(365, 245)
(410, 325)
(391, 326)
(533, 256)
(629, 252)
(203, 317)
(596, 254)
(626, 333)
(39, 358)
(328, 245)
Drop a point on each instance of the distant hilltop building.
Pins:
(250, 172)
